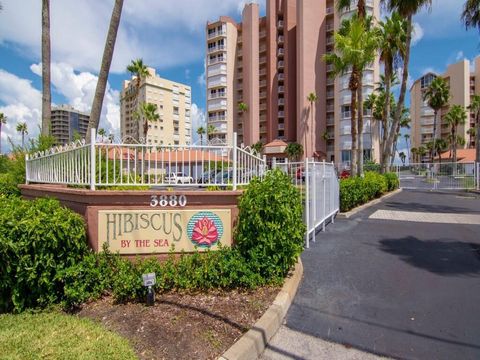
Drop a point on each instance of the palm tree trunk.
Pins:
(386, 107)
(105, 67)
(434, 134)
(312, 131)
(454, 144)
(353, 110)
(46, 90)
(0, 138)
(23, 140)
(401, 99)
(477, 136)
(360, 124)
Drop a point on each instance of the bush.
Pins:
(270, 230)
(357, 191)
(8, 185)
(371, 166)
(38, 240)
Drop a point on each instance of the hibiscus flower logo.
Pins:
(205, 229)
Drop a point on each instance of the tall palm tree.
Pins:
(407, 137)
(471, 14)
(421, 152)
(201, 132)
(97, 104)
(22, 129)
(393, 34)
(440, 146)
(355, 47)
(140, 71)
(475, 108)
(413, 154)
(294, 151)
(402, 157)
(3, 121)
(102, 132)
(406, 9)
(211, 129)
(257, 147)
(46, 90)
(147, 114)
(456, 116)
(312, 98)
(437, 96)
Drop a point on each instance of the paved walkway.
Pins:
(404, 288)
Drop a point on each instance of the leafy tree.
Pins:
(146, 114)
(414, 152)
(3, 121)
(402, 157)
(22, 129)
(140, 71)
(312, 98)
(471, 14)
(355, 45)
(46, 90)
(102, 132)
(475, 108)
(439, 146)
(456, 116)
(211, 129)
(201, 132)
(257, 147)
(294, 151)
(406, 9)
(437, 96)
(97, 104)
(421, 151)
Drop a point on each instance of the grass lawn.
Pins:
(58, 336)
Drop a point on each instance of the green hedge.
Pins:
(45, 259)
(359, 190)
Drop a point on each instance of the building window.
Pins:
(346, 155)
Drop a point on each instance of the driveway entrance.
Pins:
(392, 283)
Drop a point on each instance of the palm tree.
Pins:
(475, 108)
(147, 114)
(3, 121)
(471, 14)
(407, 137)
(437, 96)
(406, 9)
(257, 147)
(97, 104)
(211, 129)
(440, 146)
(294, 151)
(421, 152)
(102, 132)
(413, 154)
(456, 116)
(355, 47)
(312, 98)
(402, 157)
(22, 128)
(201, 132)
(140, 71)
(393, 34)
(46, 91)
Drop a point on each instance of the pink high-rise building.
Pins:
(271, 64)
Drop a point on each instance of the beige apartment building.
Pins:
(464, 83)
(68, 123)
(271, 64)
(173, 102)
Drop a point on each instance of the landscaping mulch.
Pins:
(183, 325)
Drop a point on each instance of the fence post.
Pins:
(274, 162)
(314, 200)
(235, 161)
(478, 175)
(324, 180)
(307, 204)
(333, 187)
(93, 138)
(27, 172)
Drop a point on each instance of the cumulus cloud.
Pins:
(198, 119)
(417, 33)
(459, 56)
(160, 32)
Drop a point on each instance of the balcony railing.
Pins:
(281, 114)
(330, 108)
(281, 39)
(281, 64)
(263, 83)
(281, 77)
(329, 10)
(281, 52)
(281, 101)
(280, 24)
(281, 89)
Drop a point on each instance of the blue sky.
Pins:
(168, 35)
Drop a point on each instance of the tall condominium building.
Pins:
(67, 123)
(173, 102)
(463, 83)
(271, 64)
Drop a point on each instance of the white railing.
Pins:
(319, 185)
(145, 165)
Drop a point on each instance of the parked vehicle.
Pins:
(208, 177)
(224, 177)
(178, 178)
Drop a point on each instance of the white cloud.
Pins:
(163, 33)
(202, 78)
(459, 56)
(417, 33)
(198, 119)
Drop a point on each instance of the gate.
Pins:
(438, 176)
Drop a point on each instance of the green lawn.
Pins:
(58, 336)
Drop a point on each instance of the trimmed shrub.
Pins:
(38, 240)
(392, 181)
(8, 185)
(270, 230)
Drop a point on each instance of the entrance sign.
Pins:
(153, 231)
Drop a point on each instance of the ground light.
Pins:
(149, 280)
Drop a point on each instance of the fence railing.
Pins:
(319, 185)
(439, 176)
(101, 164)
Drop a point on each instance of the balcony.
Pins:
(281, 64)
(217, 82)
(427, 122)
(329, 10)
(329, 27)
(330, 148)
(281, 77)
(330, 120)
(239, 53)
(263, 94)
(263, 83)
(428, 112)
(216, 96)
(330, 40)
(281, 101)
(239, 39)
(263, 60)
(330, 81)
(281, 39)
(281, 52)
(263, 48)
(281, 89)
(347, 145)
(216, 118)
(280, 24)
(216, 48)
(263, 106)
(346, 115)
(330, 108)
(330, 94)
(217, 60)
(281, 114)
(263, 72)
(330, 67)
(346, 130)
(426, 131)
(263, 34)
(216, 34)
(281, 126)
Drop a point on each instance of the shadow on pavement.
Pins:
(437, 256)
(422, 207)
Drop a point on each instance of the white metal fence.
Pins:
(439, 176)
(319, 185)
(107, 165)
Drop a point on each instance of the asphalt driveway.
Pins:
(395, 280)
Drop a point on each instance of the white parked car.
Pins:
(178, 178)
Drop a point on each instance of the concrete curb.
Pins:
(252, 344)
(352, 212)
